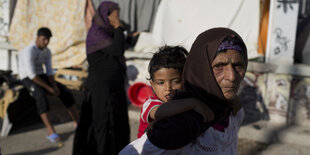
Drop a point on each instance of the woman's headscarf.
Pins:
(198, 76)
(100, 34)
(199, 81)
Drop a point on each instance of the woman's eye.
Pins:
(218, 67)
(238, 66)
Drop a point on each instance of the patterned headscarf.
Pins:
(100, 34)
(231, 43)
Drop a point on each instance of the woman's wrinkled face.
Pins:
(229, 69)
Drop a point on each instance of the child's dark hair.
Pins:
(168, 57)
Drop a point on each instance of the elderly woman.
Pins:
(213, 71)
(104, 126)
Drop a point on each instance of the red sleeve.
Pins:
(147, 107)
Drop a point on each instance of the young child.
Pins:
(165, 69)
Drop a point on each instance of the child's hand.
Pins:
(204, 110)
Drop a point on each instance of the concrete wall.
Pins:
(5, 64)
(7, 61)
(300, 101)
(278, 98)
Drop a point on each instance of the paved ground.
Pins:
(31, 140)
(34, 142)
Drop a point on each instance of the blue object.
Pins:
(52, 137)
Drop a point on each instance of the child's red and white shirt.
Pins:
(145, 119)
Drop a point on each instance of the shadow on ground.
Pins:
(64, 136)
(43, 151)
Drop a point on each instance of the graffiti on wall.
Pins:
(300, 98)
(251, 95)
(281, 37)
(265, 96)
(286, 4)
(278, 94)
(281, 42)
(275, 97)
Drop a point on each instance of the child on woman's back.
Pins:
(165, 71)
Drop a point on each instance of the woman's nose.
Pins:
(230, 73)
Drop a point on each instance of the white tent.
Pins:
(178, 22)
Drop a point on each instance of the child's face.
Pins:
(165, 80)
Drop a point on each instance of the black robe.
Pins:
(104, 126)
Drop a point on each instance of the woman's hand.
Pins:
(237, 106)
(114, 19)
(204, 110)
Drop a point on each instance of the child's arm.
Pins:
(179, 106)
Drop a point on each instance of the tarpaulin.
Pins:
(65, 18)
(178, 22)
(139, 14)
